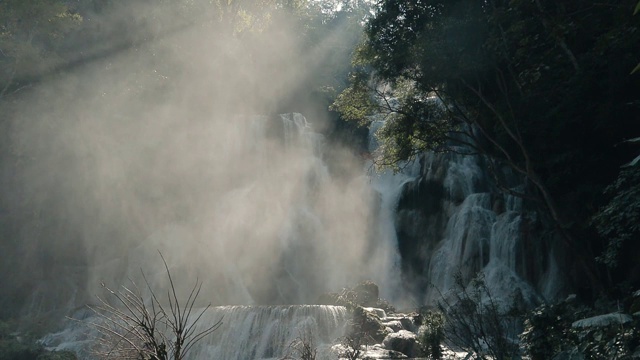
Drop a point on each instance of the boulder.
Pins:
(378, 352)
(369, 325)
(403, 341)
(394, 325)
(367, 293)
(408, 323)
(381, 314)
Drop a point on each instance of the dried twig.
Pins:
(137, 328)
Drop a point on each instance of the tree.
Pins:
(431, 333)
(518, 82)
(618, 222)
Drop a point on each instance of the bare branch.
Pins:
(136, 328)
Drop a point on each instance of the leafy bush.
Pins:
(550, 332)
(547, 329)
(431, 333)
(619, 220)
(615, 341)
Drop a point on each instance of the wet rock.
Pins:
(403, 341)
(367, 293)
(368, 324)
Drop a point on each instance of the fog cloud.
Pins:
(167, 138)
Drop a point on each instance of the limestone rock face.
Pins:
(403, 341)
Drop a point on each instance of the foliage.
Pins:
(431, 334)
(609, 342)
(139, 328)
(475, 323)
(547, 329)
(548, 333)
(520, 82)
(619, 220)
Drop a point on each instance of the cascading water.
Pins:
(246, 332)
(266, 332)
(438, 217)
(278, 229)
(284, 233)
(451, 220)
(448, 218)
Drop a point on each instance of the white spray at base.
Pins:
(246, 332)
(267, 332)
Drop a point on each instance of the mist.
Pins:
(169, 139)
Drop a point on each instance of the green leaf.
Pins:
(637, 68)
(637, 8)
(634, 162)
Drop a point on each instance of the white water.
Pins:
(477, 235)
(265, 332)
(313, 245)
(246, 332)
(388, 186)
(480, 236)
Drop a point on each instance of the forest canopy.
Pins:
(541, 87)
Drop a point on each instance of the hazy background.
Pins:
(162, 133)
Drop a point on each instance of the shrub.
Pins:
(139, 328)
(615, 341)
(547, 330)
(431, 333)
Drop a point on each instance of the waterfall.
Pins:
(265, 332)
(285, 229)
(268, 224)
(449, 218)
(246, 332)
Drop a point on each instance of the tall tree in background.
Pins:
(541, 86)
